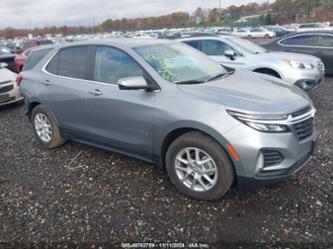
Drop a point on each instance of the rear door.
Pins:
(63, 87)
(118, 118)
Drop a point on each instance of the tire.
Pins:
(267, 36)
(55, 138)
(208, 149)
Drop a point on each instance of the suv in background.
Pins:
(169, 104)
(304, 71)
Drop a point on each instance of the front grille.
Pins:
(304, 129)
(301, 111)
(6, 89)
(272, 157)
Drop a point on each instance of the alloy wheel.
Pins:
(196, 169)
(43, 127)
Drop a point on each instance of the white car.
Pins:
(312, 27)
(240, 33)
(304, 71)
(9, 86)
(260, 33)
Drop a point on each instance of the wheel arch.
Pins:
(177, 132)
(31, 106)
(269, 71)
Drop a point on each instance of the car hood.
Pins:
(288, 56)
(6, 75)
(251, 92)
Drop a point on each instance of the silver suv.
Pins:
(167, 103)
(304, 71)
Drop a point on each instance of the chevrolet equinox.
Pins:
(167, 103)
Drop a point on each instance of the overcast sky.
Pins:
(41, 13)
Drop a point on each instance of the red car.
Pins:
(22, 54)
(20, 59)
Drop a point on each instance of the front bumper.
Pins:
(290, 153)
(307, 80)
(248, 183)
(11, 96)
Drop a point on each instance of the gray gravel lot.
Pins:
(78, 193)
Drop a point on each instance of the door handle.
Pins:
(96, 92)
(46, 83)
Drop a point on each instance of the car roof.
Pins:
(315, 32)
(119, 42)
(215, 37)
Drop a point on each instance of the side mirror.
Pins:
(134, 83)
(230, 54)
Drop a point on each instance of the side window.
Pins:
(213, 47)
(194, 44)
(72, 62)
(305, 40)
(52, 67)
(324, 41)
(34, 58)
(112, 64)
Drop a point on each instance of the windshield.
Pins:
(180, 64)
(248, 46)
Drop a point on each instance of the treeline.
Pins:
(278, 12)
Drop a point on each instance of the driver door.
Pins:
(121, 119)
(216, 49)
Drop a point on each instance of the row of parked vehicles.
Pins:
(240, 115)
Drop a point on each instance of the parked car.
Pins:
(33, 43)
(20, 59)
(260, 33)
(319, 44)
(240, 33)
(304, 71)
(9, 86)
(167, 103)
(312, 27)
(279, 31)
(7, 57)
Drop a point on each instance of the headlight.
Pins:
(299, 65)
(264, 123)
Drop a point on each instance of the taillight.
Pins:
(18, 80)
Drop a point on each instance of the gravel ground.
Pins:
(80, 194)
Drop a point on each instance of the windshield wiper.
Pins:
(190, 82)
(217, 76)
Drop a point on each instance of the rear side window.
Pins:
(34, 58)
(70, 62)
(324, 41)
(311, 40)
